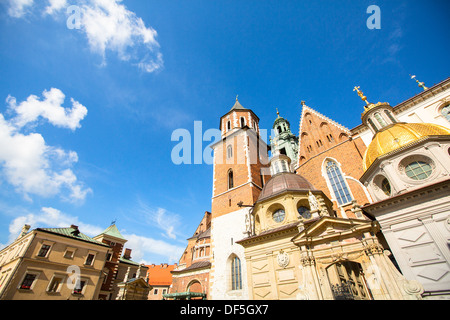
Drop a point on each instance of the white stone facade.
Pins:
(225, 231)
(417, 227)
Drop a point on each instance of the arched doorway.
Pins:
(347, 281)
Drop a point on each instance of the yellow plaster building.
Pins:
(43, 264)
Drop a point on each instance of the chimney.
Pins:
(25, 230)
(76, 231)
(127, 254)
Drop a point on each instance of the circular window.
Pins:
(386, 187)
(279, 215)
(304, 212)
(418, 170)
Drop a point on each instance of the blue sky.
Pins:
(87, 114)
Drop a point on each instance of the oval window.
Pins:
(279, 215)
(304, 212)
(418, 170)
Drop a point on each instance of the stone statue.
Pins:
(313, 204)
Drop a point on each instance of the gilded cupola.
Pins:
(389, 134)
(398, 136)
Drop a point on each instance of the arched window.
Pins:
(236, 277)
(389, 114)
(380, 119)
(229, 125)
(446, 112)
(242, 122)
(374, 127)
(230, 179)
(338, 184)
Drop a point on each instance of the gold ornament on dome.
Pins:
(399, 136)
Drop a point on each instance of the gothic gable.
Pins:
(318, 133)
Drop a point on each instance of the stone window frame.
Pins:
(344, 181)
(405, 161)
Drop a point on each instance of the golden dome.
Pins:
(398, 136)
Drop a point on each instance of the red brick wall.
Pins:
(349, 155)
(181, 284)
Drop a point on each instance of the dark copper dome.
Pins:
(282, 182)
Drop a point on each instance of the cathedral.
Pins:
(333, 213)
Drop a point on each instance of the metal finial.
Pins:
(421, 84)
(361, 94)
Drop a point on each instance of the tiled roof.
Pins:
(196, 265)
(71, 233)
(160, 274)
(124, 260)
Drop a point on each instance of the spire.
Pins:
(237, 105)
(361, 95)
(420, 84)
(278, 113)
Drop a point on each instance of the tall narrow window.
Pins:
(242, 122)
(229, 152)
(374, 127)
(28, 281)
(380, 119)
(44, 250)
(229, 125)
(389, 115)
(236, 278)
(338, 184)
(230, 179)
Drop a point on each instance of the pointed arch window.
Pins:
(340, 189)
(230, 179)
(236, 276)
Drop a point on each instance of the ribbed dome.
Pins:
(398, 136)
(282, 182)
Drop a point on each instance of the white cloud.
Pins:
(50, 108)
(144, 246)
(17, 8)
(162, 219)
(27, 162)
(108, 26)
(50, 218)
(55, 6)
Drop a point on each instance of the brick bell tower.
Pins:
(240, 169)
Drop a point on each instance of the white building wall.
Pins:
(225, 231)
(418, 234)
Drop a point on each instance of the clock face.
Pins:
(304, 212)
